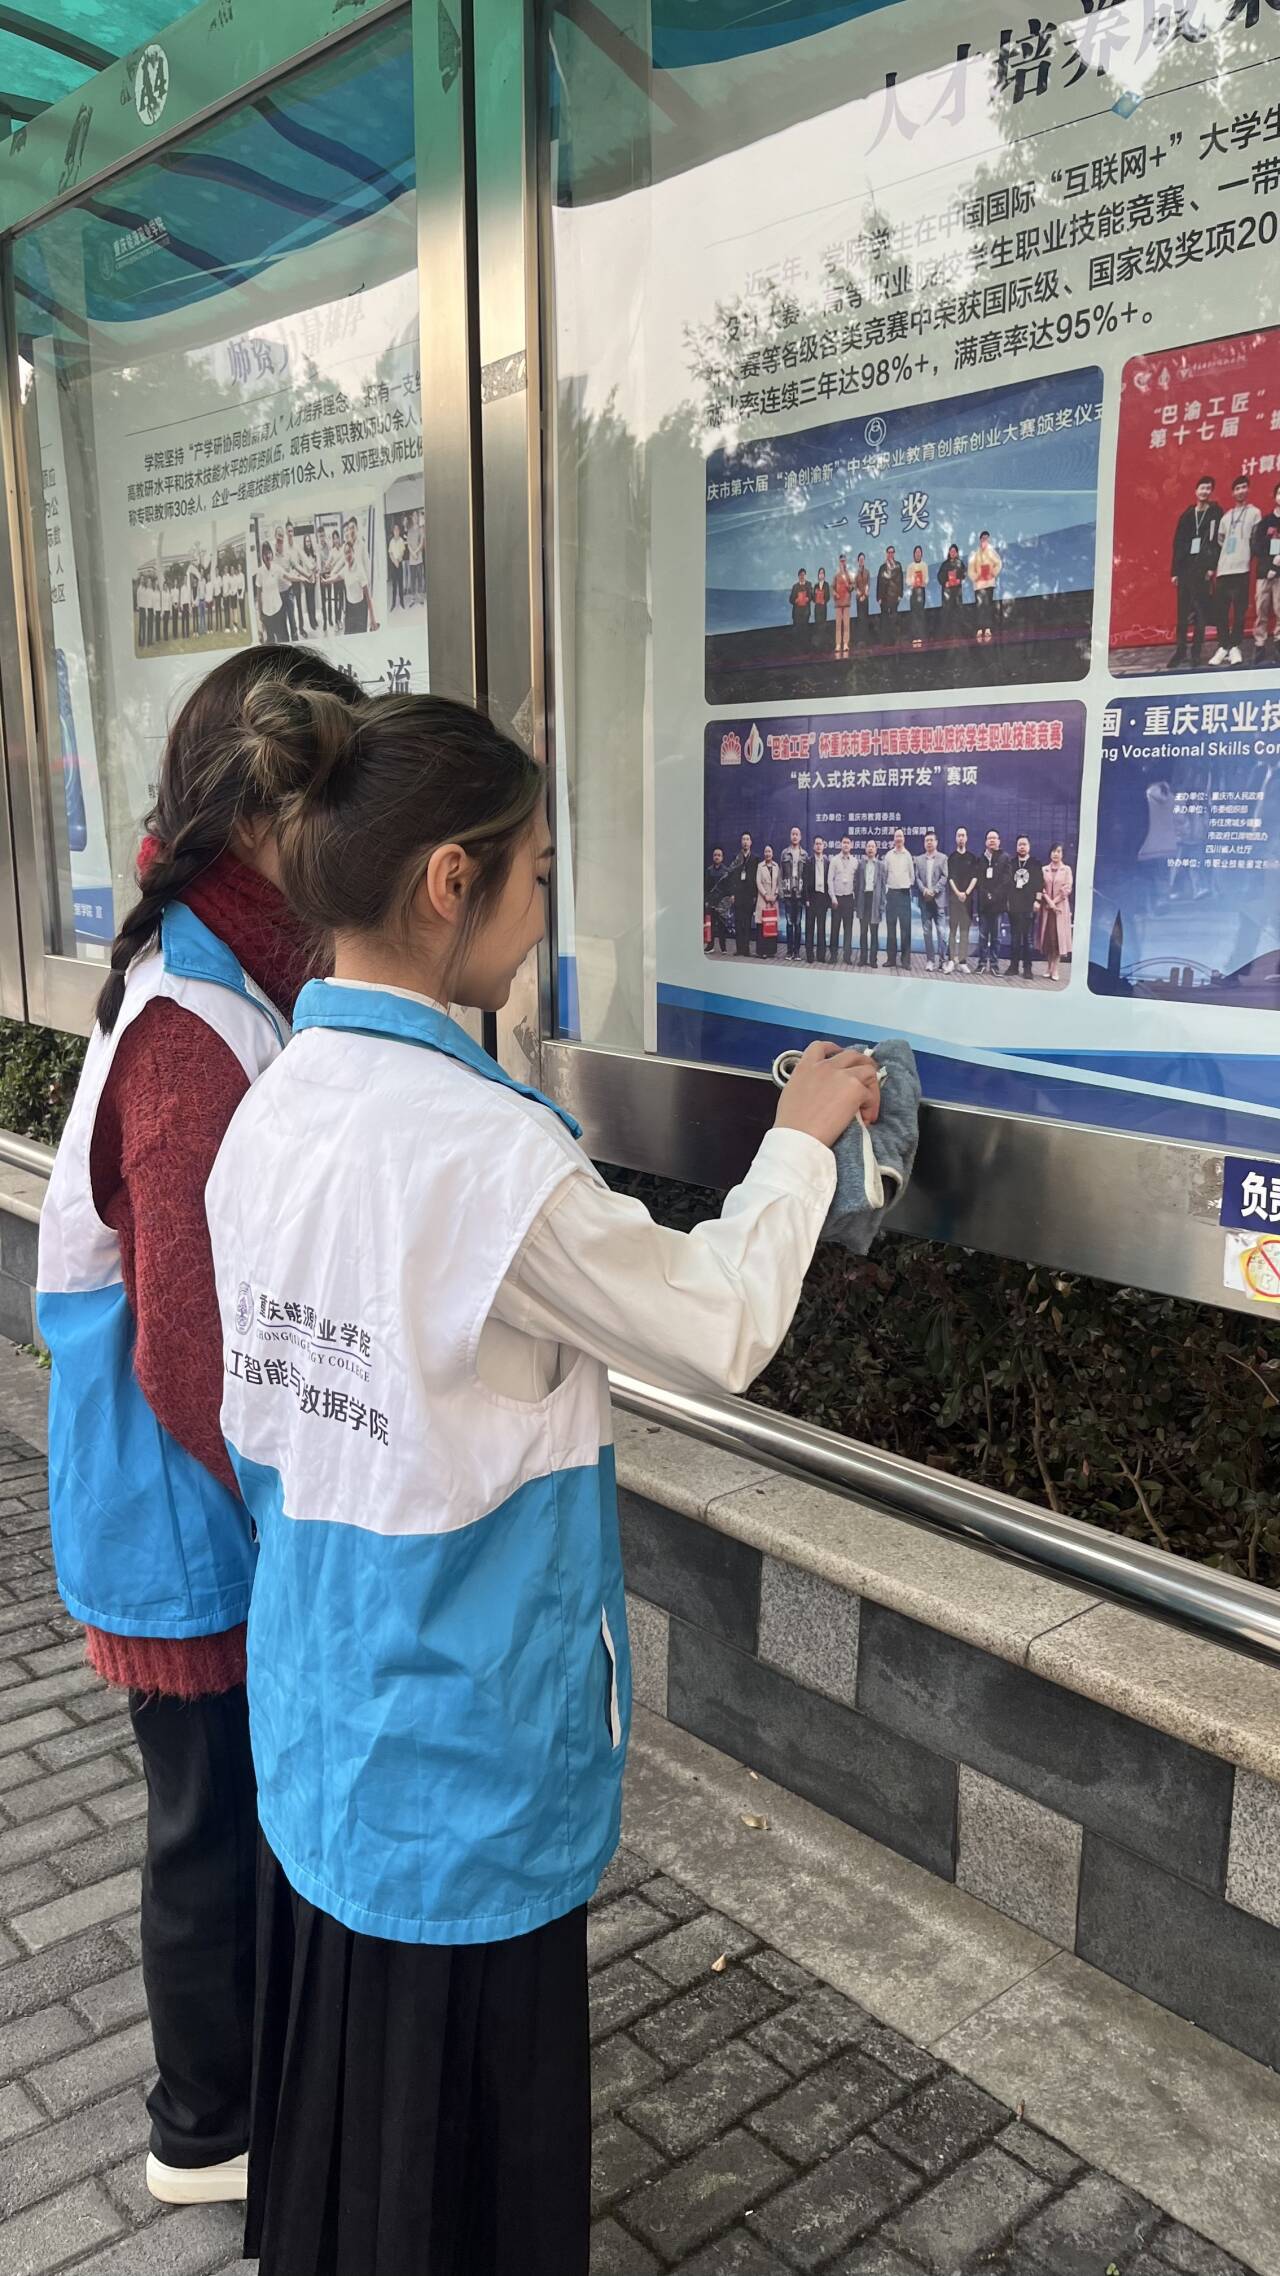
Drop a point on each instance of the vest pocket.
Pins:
(613, 1719)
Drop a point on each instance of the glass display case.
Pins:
(911, 509)
(832, 440)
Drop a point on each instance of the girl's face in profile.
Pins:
(515, 924)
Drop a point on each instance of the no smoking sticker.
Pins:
(1251, 1265)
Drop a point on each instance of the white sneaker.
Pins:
(1220, 657)
(962, 967)
(225, 2184)
(1236, 656)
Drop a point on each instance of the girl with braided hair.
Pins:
(153, 1547)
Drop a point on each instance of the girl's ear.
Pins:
(253, 842)
(446, 883)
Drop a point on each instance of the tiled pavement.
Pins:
(750, 2121)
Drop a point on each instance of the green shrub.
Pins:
(39, 1069)
(1155, 1418)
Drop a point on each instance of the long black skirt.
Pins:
(418, 2109)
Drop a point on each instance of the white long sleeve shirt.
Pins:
(1235, 536)
(699, 1311)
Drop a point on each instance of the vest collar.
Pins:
(192, 951)
(408, 1019)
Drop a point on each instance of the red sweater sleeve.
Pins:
(173, 1088)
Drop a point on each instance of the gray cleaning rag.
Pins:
(873, 1161)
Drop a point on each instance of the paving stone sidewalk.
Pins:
(750, 2121)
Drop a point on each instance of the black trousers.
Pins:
(1020, 941)
(988, 936)
(817, 919)
(418, 2109)
(198, 1920)
(842, 928)
(1194, 609)
(898, 924)
(868, 930)
(719, 929)
(744, 909)
(1233, 604)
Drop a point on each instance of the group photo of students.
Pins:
(913, 546)
(1224, 570)
(193, 599)
(1195, 546)
(312, 577)
(905, 599)
(977, 909)
(404, 536)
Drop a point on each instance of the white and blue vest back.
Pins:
(145, 1541)
(439, 1687)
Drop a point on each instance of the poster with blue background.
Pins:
(1012, 770)
(1014, 773)
(1186, 890)
(1019, 464)
(1168, 1051)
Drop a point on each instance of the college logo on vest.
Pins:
(244, 1308)
(151, 84)
(731, 750)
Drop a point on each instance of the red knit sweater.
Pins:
(172, 1090)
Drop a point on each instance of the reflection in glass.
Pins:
(219, 377)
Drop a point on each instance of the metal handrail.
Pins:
(1239, 1609)
(25, 1153)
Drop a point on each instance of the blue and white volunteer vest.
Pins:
(439, 1685)
(145, 1541)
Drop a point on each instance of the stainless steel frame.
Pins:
(60, 989)
(1137, 1211)
(508, 209)
(13, 986)
(450, 452)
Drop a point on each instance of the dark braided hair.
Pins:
(208, 785)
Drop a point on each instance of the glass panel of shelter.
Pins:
(913, 397)
(220, 411)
